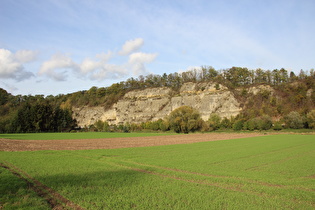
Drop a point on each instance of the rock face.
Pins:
(259, 88)
(156, 103)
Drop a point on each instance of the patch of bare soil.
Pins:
(112, 143)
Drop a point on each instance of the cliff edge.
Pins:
(156, 103)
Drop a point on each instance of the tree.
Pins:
(3, 96)
(292, 76)
(63, 120)
(42, 117)
(276, 78)
(22, 121)
(214, 121)
(212, 73)
(264, 122)
(283, 75)
(237, 76)
(277, 126)
(311, 119)
(260, 76)
(184, 120)
(294, 120)
(238, 125)
(99, 125)
(251, 124)
(226, 123)
(302, 74)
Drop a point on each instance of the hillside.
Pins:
(232, 94)
(152, 104)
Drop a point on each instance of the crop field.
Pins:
(260, 172)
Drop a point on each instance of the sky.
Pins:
(56, 47)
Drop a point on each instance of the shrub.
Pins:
(258, 123)
(311, 119)
(294, 120)
(185, 119)
(277, 126)
(238, 125)
(252, 124)
(264, 123)
(214, 121)
(205, 127)
(226, 123)
(99, 125)
(164, 126)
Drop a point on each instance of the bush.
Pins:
(252, 124)
(185, 119)
(164, 126)
(99, 125)
(311, 119)
(277, 126)
(294, 120)
(258, 123)
(264, 123)
(214, 122)
(226, 123)
(238, 125)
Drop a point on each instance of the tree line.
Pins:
(292, 93)
(232, 78)
(33, 114)
(186, 119)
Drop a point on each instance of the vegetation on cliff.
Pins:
(289, 98)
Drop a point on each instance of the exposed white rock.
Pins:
(259, 88)
(309, 93)
(157, 103)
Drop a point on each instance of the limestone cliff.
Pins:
(155, 103)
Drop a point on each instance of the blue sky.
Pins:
(62, 46)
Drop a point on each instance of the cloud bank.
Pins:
(60, 66)
(56, 67)
(99, 67)
(12, 64)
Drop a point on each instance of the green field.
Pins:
(268, 172)
(79, 135)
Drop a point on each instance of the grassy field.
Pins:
(268, 172)
(16, 194)
(79, 135)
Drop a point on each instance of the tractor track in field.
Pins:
(185, 172)
(122, 163)
(54, 199)
(233, 187)
(113, 143)
(57, 201)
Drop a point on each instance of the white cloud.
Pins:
(25, 56)
(59, 66)
(131, 46)
(109, 71)
(11, 65)
(141, 57)
(88, 65)
(137, 61)
(99, 68)
(57, 62)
